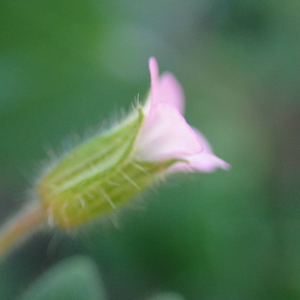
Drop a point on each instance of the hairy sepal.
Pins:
(97, 177)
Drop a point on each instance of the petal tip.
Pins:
(153, 67)
(226, 166)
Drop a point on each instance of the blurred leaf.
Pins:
(75, 278)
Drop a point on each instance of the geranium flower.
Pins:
(166, 135)
(110, 169)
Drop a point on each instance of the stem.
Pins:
(19, 227)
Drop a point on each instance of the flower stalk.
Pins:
(19, 227)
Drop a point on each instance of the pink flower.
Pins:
(165, 134)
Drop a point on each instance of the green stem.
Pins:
(17, 229)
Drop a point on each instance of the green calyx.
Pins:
(98, 177)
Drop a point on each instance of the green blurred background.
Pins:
(68, 66)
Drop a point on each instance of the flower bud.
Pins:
(98, 176)
(109, 170)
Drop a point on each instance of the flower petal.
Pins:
(166, 135)
(169, 89)
(165, 88)
(202, 162)
(205, 162)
